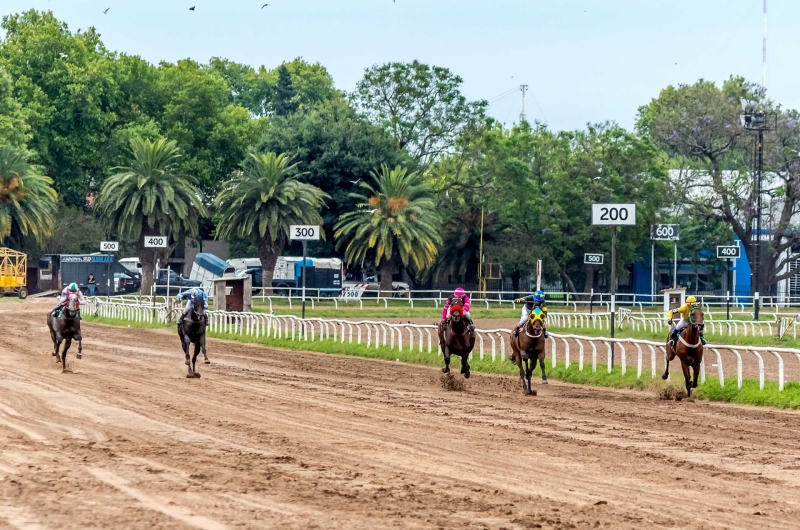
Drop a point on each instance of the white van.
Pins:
(132, 264)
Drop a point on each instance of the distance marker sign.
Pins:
(613, 214)
(729, 252)
(155, 242)
(592, 259)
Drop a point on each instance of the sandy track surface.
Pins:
(277, 439)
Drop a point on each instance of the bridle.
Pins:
(536, 315)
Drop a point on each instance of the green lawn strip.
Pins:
(749, 394)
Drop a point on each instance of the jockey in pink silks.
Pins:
(458, 293)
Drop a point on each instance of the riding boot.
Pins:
(673, 337)
(546, 334)
(516, 330)
(205, 319)
(471, 325)
(702, 340)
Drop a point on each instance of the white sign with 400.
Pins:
(155, 242)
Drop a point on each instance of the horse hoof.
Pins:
(186, 362)
(526, 391)
(79, 356)
(544, 381)
(207, 361)
(664, 377)
(466, 374)
(193, 375)
(694, 385)
(53, 354)
(445, 370)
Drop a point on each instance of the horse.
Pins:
(530, 342)
(455, 338)
(64, 328)
(689, 349)
(193, 331)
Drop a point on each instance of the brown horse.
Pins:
(455, 338)
(65, 327)
(689, 349)
(527, 347)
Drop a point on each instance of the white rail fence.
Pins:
(491, 343)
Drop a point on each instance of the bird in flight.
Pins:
(355, 182)
(265, 5)
(192, 8)
(106, 11)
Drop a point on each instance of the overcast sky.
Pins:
(584, 60)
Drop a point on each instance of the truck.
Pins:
(56, 271)
(208, 267)
(171, 283)
(323, 274)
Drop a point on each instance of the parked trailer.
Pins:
(207, 268)
(324, 274)
(56, 271)
(13, 272)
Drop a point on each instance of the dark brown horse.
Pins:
(455, 338)
(65, 327)
(193, 331)
(689, 349)
(528, 347)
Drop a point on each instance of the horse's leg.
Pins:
(696, 369)
(667, 359)
(67, 344)
(55, 341)
(56, 352)
(544, 372)
(185, 348)
(194, 358)
(685, 368)
(203, 348)
(446, 368)
(465, 365)
(529, 368)
(522, 371)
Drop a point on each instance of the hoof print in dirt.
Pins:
(670, 393)
(452, 383)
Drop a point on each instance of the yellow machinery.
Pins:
(13, 271)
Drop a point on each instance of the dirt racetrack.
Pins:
(277, 439)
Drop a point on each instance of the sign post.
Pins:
(729, 253)
(109, 246)
(613, 215)
(155, 242)
(592, 259)
(663, 233)
(538, 274)
(304, 233)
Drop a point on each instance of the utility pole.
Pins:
(764, 51)
(523, 89)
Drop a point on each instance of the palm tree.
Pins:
(151, 196)
(262, 202)
(397, 218)
(27, 198)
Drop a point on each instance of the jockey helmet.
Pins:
(538, 295)
(459, 291)
(691, 300)
(73, 287)
(194, 293)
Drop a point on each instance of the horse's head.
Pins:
(536, 323)
(71, 306)
(198, 306)
(696, 319)
(456, 312)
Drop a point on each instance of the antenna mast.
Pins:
(524, 88)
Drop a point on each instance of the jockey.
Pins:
(458, 293)
(190, 295)
(531, 302)
(684, 310)
(71, 288)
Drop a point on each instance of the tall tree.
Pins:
(335, 149)
(396, 219)
(699, 126)
(27, 199)
(262, 202)
(285, 95)
(66, 84)
(14, 128)
(153, 195)
(421, 106)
